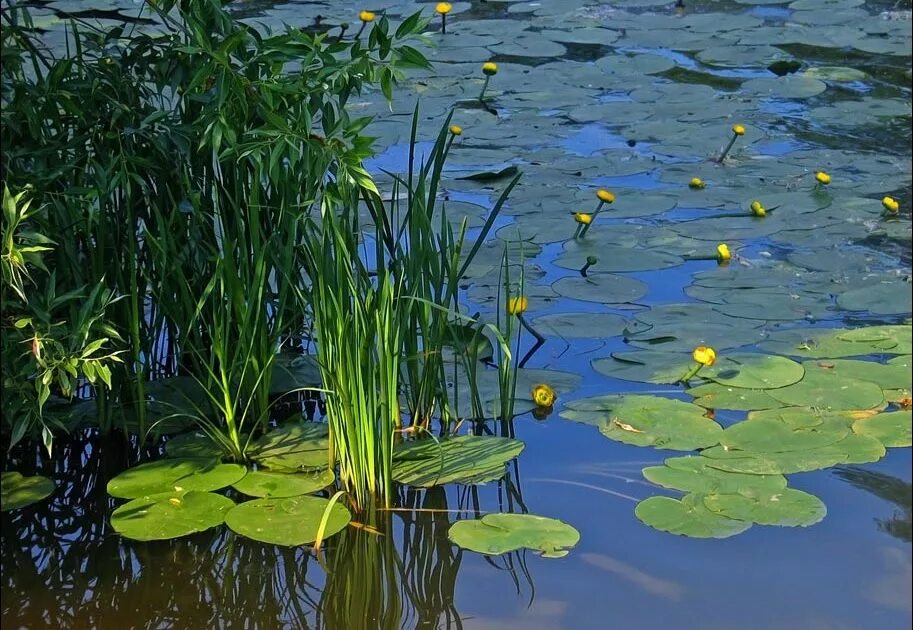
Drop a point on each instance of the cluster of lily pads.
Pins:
(825, 411)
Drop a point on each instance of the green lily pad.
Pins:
(754, 371)
(495, 534)
(692, 474)
(276, 485)
(170, 515)
(194, 444)
(645, 366)
(888, 375)
(773, 436)
(826, 389)
(853, 449)
(716, 396)
(580, 325)
(687, 517)
(293, 372)
(891, 429)
(834, 343)
(784, 507)
(602, 288)
(289, 522)
(18, 491)
(882, 298)
(293, 447)
(468, 459)
(174, 475)
(647, 421)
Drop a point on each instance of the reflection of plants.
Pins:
(889, 488)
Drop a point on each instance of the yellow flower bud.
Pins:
(890, 204)
(738, 130)
(443, 8)
(543, 395)
(583, 217)
(704, 355)
(696, 183)
(456, 130)
(722, 251)
(366, 16)
(605, 195)
(757, 209)
(517, 305)
(489, 68)
(823, 178)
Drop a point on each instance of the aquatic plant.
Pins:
(737, 131)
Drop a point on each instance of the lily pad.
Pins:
(785, 507)
(194, 444)
(692, 474)
(290, 522)
(468, 459)
(174, 475)
(648, 421)
(891, 429)
(170, 515)
(754, 371)
(268, 484)
(294, 447)
(853, 449)
(645, 366)
(773, 436)
(833, 343)
(716, 396)
(826, 389)
(18, 491)
(495, 534)
(602, 288)
(687, 517)
(580, 325)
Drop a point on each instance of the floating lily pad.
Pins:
(495, 534)
(170, 515)
(294, 447)
(290, 522)
(174, 475)
(468, 459)
(194, 444)
(853, 449)
(268, 484)
(602, 288)
(580, 325)
(19, 491)
(891, 429)
(647, 421)
(692, 474)
(754, 371)
(716, 396)
(785, 507)
(826, 389)
(687, 517)
(883, 298)
(645, 366)
(773, 436)
(293, 372)
(833, 343)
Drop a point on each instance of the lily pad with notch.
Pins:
(290, 521)
(174, 475)
(169, 515)
(495, 534)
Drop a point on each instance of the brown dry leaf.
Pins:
(625, 427)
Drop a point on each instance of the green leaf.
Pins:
(692, 474)
(754, 371)
(784, 507)
(824, 388)
(17, 491)
(687, 517)
(292, 447)
(468, 459)
(170, 515)
(853, 449)
(174, 475)
(773, 436)
(487, 176)
(289, 522)
(495, 534)
(266, 484)
(891, 429)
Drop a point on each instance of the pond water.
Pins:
(636, 97)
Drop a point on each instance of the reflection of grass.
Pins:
(889, 488)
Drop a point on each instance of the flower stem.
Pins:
(484, 87)
(728, 147)
(691, 373)
(443, 23)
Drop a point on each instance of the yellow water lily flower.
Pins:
(543, 395)
(443, 8)
(366, 16)
(696, 183)
(489, 68)
(823, 178)
(704, 355)
(890, 204)
(605, 196)
(722, 252)
(738, 130)
(517, 305)
(456, 130)
(583, 217)
(757, 209)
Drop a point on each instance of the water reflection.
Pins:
(62, 565)
(889, 488)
